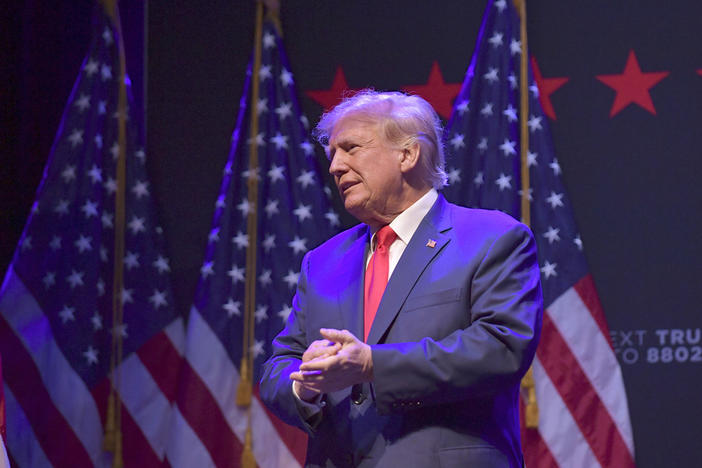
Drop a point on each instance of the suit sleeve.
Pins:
(490, 354)
(288, 348)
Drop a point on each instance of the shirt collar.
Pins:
(407, 222)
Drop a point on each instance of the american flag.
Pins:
(56, 322)
(584, 418)
(293, 215)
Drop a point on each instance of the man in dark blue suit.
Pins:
(423, 371)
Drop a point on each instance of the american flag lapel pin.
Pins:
(431, 243)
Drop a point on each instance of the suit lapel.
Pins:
(350, 281)
(414, 260)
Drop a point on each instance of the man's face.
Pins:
(367, 172)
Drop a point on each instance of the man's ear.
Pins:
(410, 158)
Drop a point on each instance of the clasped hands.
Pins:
(337, 361)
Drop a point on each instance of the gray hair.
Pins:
(404, 120)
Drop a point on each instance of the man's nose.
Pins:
(337, 166)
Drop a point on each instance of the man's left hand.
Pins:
(352, 364)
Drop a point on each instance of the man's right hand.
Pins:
(317, 349)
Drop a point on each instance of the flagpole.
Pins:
(113, 425)
(245, 388)
(527, 385)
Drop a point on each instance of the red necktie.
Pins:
(376, 277)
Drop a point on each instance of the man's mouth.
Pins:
(344, 186)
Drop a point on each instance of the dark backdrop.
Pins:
(631, 176)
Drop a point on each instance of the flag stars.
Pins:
(207, 269)
(299, 245)
(246, 207)
(131, 260)
(458, 141)
(333, 218)
(100, 288)
(61, 207)
(264, 73)
(534, 123)
(136, 225)
(158, 299)
(121, 330)
(555, 200)
(107, 36)
(105, 72)
(578, 242)
(305, 179)
(549, 269)
(552, 234)
(284, 110)
(555, 167)
(96, 320)
(241, 240)
(26, 243)
(462, 107)
(114, 150)
(479, 179)
(530, 196)
(504, 182)
(483, 145)
(55, 243)
(512, 81)
(291, 278)
(268, 40)
(515, 47)
(69, 173)
(83, 244)
(531, 159)
(496, 39)
(501, 5)
(76, 137)
(261, 313)
(232, 307)
(140, 189)
(271, 208)
(75, 278)
(286, 78)
(220, 203)
(486, 111)
(510, 113)
(534, 90)
(83, 102)
(67, 313)
(257, 348)
(102, 107)
(269, 242)
(508, 147)
(276, 173)
(284, 313)
(265, 278)
(303, 212)
(91, 355)
(307, 147)
(262, 106)
(98, 141)
(91, 67)
(236, 274)
(49, 279)
(260, 141)
(280, 141)
(161, 264)
(95, 174)
(491, 76)
(89, 209)
(110, 186)
(454, 176)
(140, 154)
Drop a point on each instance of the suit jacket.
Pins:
(455, 331)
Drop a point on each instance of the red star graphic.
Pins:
(547, 86)
(632, 86)
(328, 98)
(439, 93)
